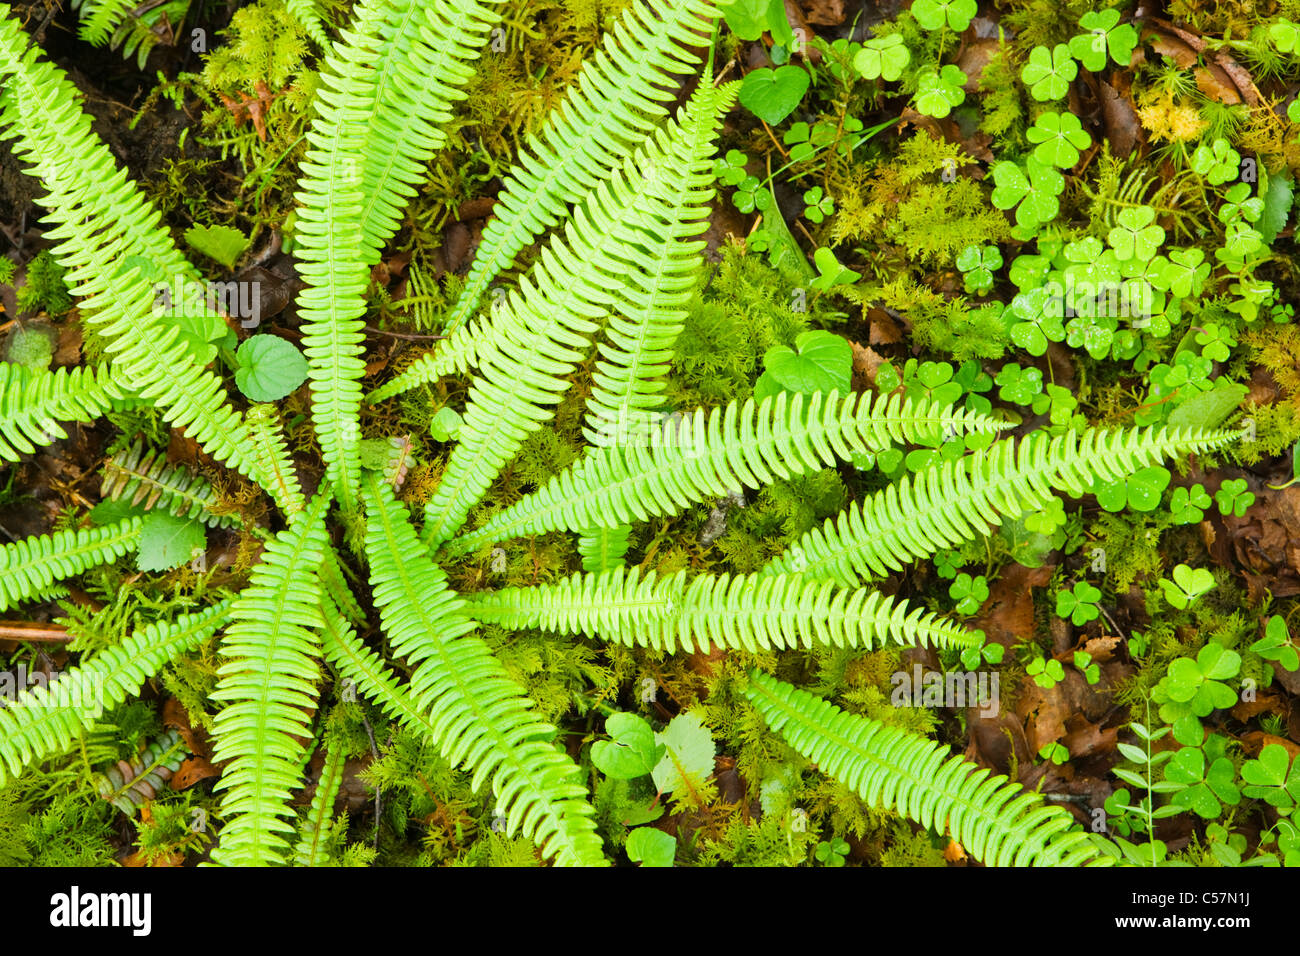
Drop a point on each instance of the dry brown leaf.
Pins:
(1007, 617)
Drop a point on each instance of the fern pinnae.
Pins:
(271, 458)
(954, 501)
(271, 652)
(479, 716)
(996, 821)
(44, 721)
(623, 231)
(312, 848)
(373, 130)
(144, 478)
(101, 219)
(703, 458)
(737, 612)
(29, 567)
(34, 403)
(603, 549)
(620, 94)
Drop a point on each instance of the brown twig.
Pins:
(34, 633)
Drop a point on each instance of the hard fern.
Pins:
(477, 714)
(271, 652)
(995, 821)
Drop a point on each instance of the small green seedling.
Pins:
(832, 852)
(1049, 72)
(1046, 672)
(1055, 752)
(1188, 585)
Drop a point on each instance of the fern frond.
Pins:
(32, 404)
(602, 549)
(702, 459)
(957, 500)
(386, 94)
(271, 651)
(479, 716)
(312, 849)
(29, 567)
(113, 246)
(621, 95)
(271, 458)
(335, 582)
(740, 612)
(43, 721)
(645, 315)
(307, 14)
(996, 821)
(628, 228)
(99, 18)
(145, 478)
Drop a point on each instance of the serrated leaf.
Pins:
(167, 542)
(221, 243)
(688, 759)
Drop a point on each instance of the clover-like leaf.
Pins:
(1268, 778)
(1105, 35)
(1060, 137)
(938, 92)
(632, 751)
(1049, 72)
(936, 14)
(1136, 236)
(884, 57)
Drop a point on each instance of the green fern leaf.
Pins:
(702, 459)
(996, 821)
(29, 567)
(44, 721)
(739, 612)
(621, 96)
(602, 549)
(268, 681)
(957, 500)
(33, 403)
(146, 479)
(480, 717)
(373, 132)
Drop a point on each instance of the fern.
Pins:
(478, 714)
(145, 479)
(996, 821)
(702, 458)
(738, 612)
(374, 128)
(43, 721)
(29, 567)
(957, 500)
(113, 247)
(128, 785)
(312, 849)
(545, 327)
(269, 677)
(602, 549)
(613, 109)
(32, 404)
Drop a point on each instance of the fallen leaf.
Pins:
(954, 852)
(825, 13)
(191, 771)
(1101, 648)
(1007, 617)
